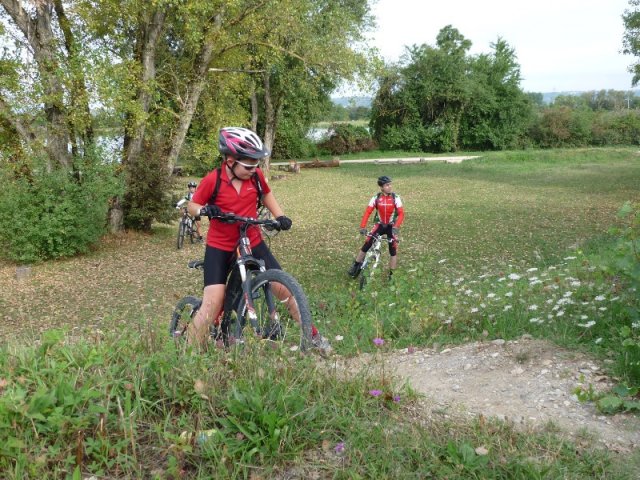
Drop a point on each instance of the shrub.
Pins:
(58, 214)
(148, 193)
(347, 138)
(291, 142)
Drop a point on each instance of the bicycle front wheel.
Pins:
(281, 311)
(182, 317)
(181, 233)
(368, 267)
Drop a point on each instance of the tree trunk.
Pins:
(254, 107)
(147, 57)
(203, 60)
(272, 111)
(39, 33)
(79, 95)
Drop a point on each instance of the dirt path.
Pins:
(527, 382)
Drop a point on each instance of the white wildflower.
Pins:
(339, 338)
(533, 307)
(507, 307)
(474, 310)
(570, 258)
(532, 269)
(442, 261)
(514, 276)
(508, 294)
(491, 295)
(598, 340)
(587, 325)
(560, 313)
(599, 298)
(603, 309)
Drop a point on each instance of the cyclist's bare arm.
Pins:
(194, 209)
(272, 204)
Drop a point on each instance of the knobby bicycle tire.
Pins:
(182, 316)
(181, 233)
(286, 331)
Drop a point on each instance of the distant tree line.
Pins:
(442, 99)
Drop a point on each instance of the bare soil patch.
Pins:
(526, 382)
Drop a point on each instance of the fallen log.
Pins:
(321, 164)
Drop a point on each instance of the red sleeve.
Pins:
(205, 189)
(400, 218)
(365, 217)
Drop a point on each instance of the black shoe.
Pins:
(354, 271)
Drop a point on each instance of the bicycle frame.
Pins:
(372, 258)
(245, 264)
(271, 302)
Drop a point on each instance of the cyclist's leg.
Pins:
(355, 268)
(393, 252)
(216, 267)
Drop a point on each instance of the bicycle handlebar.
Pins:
(377, 236)
(231, 217)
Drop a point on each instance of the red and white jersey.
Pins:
(389, 208)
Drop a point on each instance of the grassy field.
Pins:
(495, 247)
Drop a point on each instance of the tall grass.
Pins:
(131, 407)
(509, 244)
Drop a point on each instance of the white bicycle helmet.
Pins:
(241, 143)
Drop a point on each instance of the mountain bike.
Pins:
(371, 259)
(270, 302)
(186, 228)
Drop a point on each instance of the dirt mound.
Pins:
(527, 382)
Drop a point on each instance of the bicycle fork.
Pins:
(246, 281)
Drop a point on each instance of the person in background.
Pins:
(388, 220)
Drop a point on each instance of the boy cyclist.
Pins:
(239, 186)
(389, 218)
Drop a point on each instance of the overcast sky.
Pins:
(561, 45)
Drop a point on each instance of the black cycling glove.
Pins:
(285, 222)
(210, 211)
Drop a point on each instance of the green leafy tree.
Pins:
(631, 37)
(443, 99)
(498, 112)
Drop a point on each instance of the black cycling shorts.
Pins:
(219, 263)
(383, 229)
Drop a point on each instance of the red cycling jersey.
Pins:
(390, 209)
(244, 203)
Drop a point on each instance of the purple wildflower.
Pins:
(396, 398)
(378, 341)
(375, 393)
(339, 447)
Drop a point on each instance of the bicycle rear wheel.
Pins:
(191, 231)
(182, 317)
(181, 233)
(282, 313)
